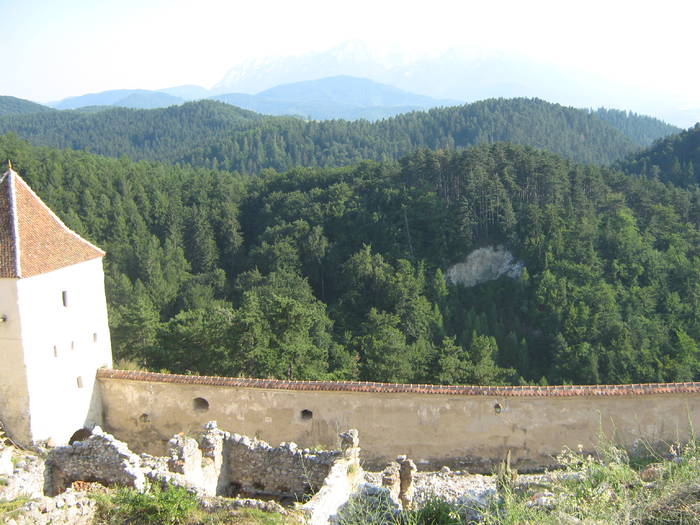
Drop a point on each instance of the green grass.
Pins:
(257, 517)
(171, 506)
(8, 508)
(608, 489)
(605, 488)
(434, 512)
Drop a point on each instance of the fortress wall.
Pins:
(468, 427)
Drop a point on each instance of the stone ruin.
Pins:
(393, 491)
(99, 458)
(397, 478)
(213, 463)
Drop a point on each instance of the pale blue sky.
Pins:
(56, 48)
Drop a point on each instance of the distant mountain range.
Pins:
(343, 96)
(128, 98)
(340, 97)
(351, 82)
(451, 75)
(455, 75)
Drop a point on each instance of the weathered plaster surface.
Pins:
(51, 352)
(459, 430)
(14, 396)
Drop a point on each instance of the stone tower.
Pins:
(53, 320)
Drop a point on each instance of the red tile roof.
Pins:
(390, 388)
(33, 240)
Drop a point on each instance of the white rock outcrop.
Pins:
(484, 264)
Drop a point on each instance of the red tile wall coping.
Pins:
(393, 388)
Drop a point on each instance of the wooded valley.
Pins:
(273, 247)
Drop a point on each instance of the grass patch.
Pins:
(8, 508)
(126, 506)
(256, 517)
(604, 488)
(368, 510)
(378, 510)
(608, 489)
(172, 506)
(434, 512)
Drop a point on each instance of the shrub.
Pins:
(435, 512)
(376, 509)
(126, 506)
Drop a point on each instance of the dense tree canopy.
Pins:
(18, 106)
(640, 129)
(221, 136)
(673, 159)
(339, 272)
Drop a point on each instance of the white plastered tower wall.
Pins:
(63, 347)
(55, 331)
(14, 393)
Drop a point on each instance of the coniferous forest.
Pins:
(220, 136)
(324, 259)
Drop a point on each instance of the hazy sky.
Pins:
(56, 48)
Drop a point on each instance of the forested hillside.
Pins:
(217, 135)
(338, 273)
(19, 106)
(640, 129)
(161, 134)
(673, 159)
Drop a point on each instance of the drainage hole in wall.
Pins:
(200, 404)
(144, 418)
(307, 414)
(497, 408)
